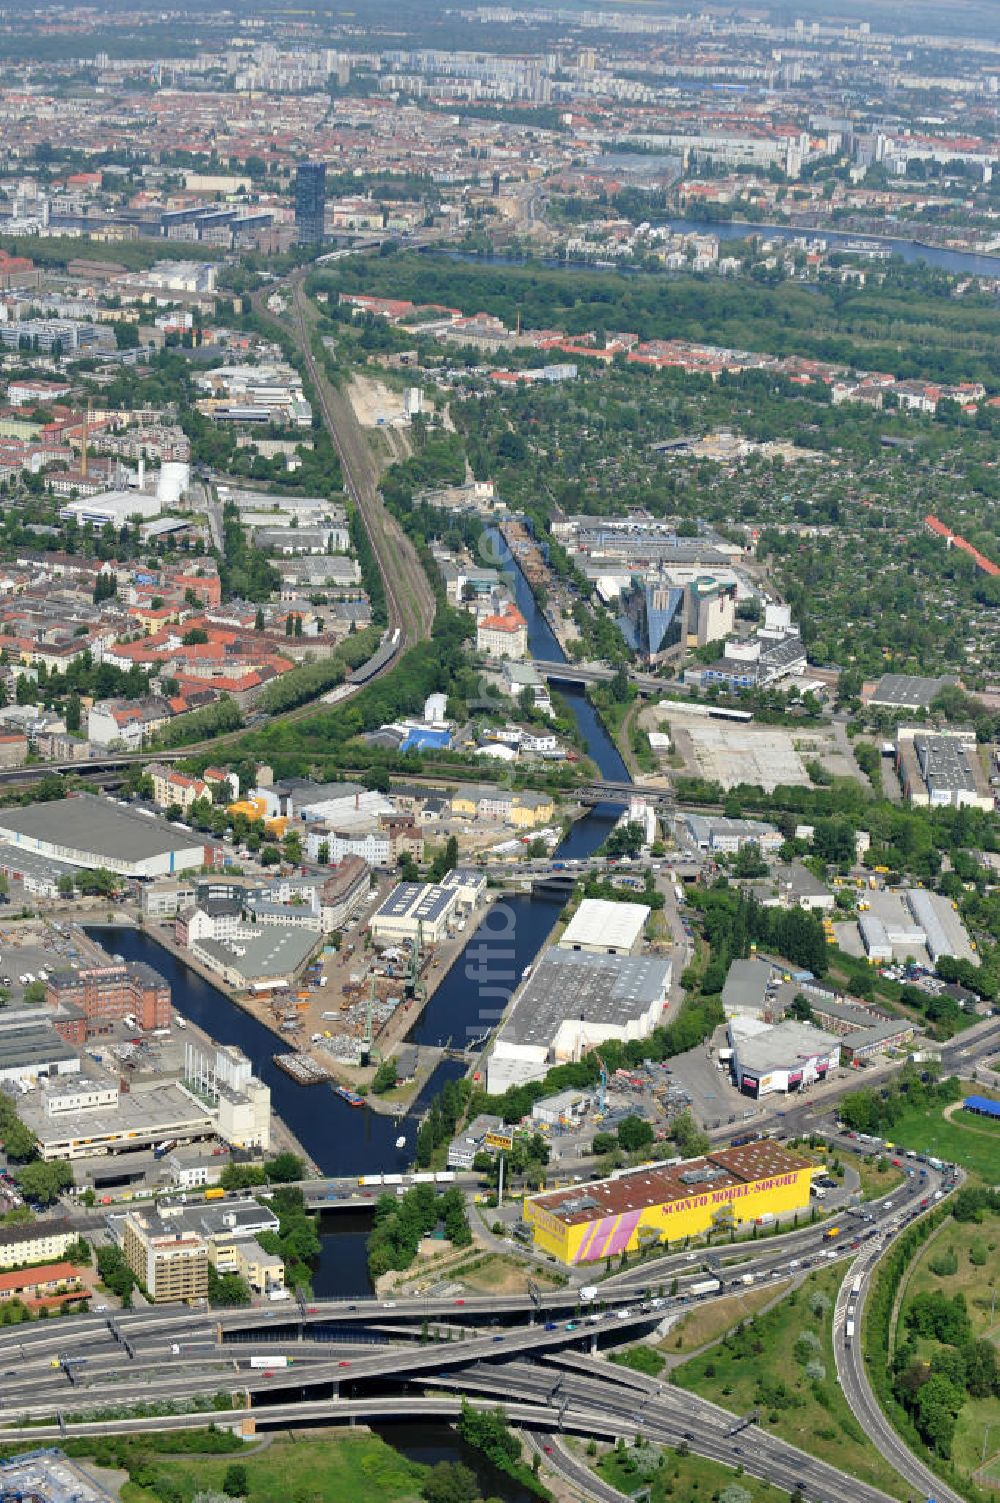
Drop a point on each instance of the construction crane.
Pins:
(602, 1092)
(414, 988)
(366, 1042)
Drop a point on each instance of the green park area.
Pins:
(672, 1475)
(962, 1258)
(947, 1332)
(958, 1138)
(309, 1467)
(782, 1364)
(300, 1470)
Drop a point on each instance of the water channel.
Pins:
(966, 263)
(347, 1141)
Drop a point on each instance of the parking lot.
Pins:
(714, 1100)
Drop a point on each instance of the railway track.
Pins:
(409, 597)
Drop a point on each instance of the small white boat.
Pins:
(401, 1141)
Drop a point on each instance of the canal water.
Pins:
(962, 263)
(966, 263)
(430, 1443)
(345, 1140)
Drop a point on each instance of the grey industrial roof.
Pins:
(783, 1047)
(801, 882)
(245, 1217)
(844, 1012)
(146, 1113)
(88, 823)
(22, 1047)
(34, 865)
(944, 764)
(705, 826)
(272, 953)
(613, 989)
(884, 1029)
(746, 983)
(906, 691)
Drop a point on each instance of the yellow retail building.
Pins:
(666, 1203)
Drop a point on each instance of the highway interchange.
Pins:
(539, 1355)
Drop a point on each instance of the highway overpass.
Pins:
(534, 1361)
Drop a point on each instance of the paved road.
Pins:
(852, 1374)
(514, 1363)
(669, 1416)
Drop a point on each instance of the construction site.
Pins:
(355, 1008)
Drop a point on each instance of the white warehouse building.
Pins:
(91, 832)
(573, 1001)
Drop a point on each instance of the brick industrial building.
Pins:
(107, 994)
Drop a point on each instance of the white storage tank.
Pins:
(175, 477)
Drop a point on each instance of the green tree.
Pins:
(19, 1141)
(450, 1482)
(634, 1133)
(385, 1077)
(236, 1482)
(43, 1182)
(284, 1168)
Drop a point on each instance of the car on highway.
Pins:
(343, 1364)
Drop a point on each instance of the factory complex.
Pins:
(661, 1204)
(572, 1001)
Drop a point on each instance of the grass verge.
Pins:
(672, 1476)
(973, 1142)
(781, 1363)
(306, 1468)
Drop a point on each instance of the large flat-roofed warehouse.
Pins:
(941, 768)
(93, 832)
(601, 927)
(261, 962)
(35, 1050)
(905, 691)
(784, 1057)
(138, 1120)
(571, 1002)
(667, 1203)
